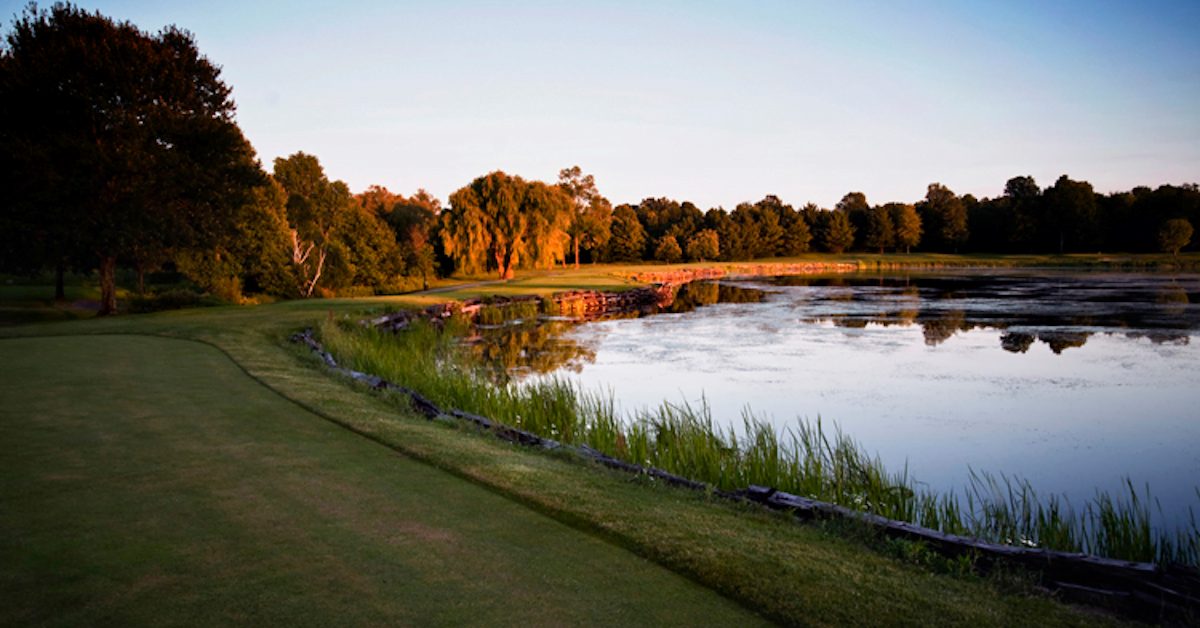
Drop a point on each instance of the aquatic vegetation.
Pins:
(808, 459)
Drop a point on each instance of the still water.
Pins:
(1073, 381)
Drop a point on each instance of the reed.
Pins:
(806, 459)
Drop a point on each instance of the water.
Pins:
(1073, 381)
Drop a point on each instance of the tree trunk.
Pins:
(108, 286)
(317, 275)
(141, 268)
(576, 241)
(60, 293)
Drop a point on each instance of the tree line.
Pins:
(1067, 217)
(119, 148)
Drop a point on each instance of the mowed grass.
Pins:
(150, 481)
(797, 575)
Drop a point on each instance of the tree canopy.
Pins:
(591, 213)
(117, 144)
(498, 221)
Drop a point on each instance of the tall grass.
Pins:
(805, 460)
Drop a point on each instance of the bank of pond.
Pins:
(808, 458)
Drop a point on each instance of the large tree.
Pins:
(549, 217)
(119, 145)
(499, 219)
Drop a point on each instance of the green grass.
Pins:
(149, 481)
(797, 575)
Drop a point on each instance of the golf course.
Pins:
(194, 468)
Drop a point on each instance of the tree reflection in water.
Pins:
(528, 347)
(1061, 310)
(536, 346)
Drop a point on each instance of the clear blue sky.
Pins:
(712, 102)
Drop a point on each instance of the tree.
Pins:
(1071, 213)
(1174, 235)
(367, 251)
(119, 145)
(549, 217)
(668, 250)
(881, 233)
(907, 224)
(263, 240)
(484, 225)
(945, 216)
(1025, 199)
(255, 256)
(498, 219)
(414, 220)
(704, 245)
(591, 213)
(837, 234)
(315, 208)
(852, 202)
(796, 236)
(378, 201)
(628, 239)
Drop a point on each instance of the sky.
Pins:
(711, 102)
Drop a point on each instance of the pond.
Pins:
(1074, 381)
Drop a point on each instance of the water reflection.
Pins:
(1069, 380)
(1061, 310)
(518, 349)
(701, 293)
(526, 347)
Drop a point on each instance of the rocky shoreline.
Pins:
(685, 275)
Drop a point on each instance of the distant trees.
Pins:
(118, 145)
(881, 231)
(705, 245)
(907, 225)
(668, 250)
(1174, 235)
(944, 217)
(1022, 198)
(591, 213)
(1070, 213)
(415, 222)
(628, 239)
(851, 203)
(837, 234)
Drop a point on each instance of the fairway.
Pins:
(150, 481)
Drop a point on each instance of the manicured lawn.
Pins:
(150, 481)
